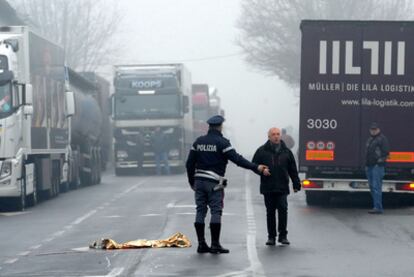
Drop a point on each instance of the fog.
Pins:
(199, 33)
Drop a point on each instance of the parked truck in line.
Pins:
(33, 119)
(201, 109)
(148, 96)
(90, 131)
(38, 139)
(354, 73)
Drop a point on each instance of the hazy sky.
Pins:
(184, 30)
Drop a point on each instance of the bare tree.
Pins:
(85, 28)
(270, 35)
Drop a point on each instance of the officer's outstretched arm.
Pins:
(239, 160)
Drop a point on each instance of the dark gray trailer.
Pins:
(354, 73)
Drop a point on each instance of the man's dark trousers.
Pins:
(276, 201)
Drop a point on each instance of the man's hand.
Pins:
(264, 169)
(261, 167)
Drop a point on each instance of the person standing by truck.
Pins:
(160, 147)
(275, 187)
(377, 151)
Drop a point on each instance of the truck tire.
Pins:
(315, 198)
(120, 171)
(99, 169)
(33, 199)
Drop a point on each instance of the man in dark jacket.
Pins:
(206, 166)
(160, 145)
(275, 188)
(377, 151)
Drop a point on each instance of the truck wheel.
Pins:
(98, 173)
(314, 198)
(120, 171)
(34, 197)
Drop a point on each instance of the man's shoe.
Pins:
(271, 241)
(283, 241)
(375, 211)
(218, 249)
(203, 248)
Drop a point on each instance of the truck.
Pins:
(201, 109)
(147, 96)
(51, 132)
(354, 73)
(34, 122)
(101, 93)
(89, 129)
(215, 102)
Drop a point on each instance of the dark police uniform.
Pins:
(206, 166)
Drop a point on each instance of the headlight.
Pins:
(174, 153)
(121, 154)
(6, 169)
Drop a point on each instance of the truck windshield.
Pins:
(147, 106)
(5, 99)
(201, 113)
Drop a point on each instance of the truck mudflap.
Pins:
(356, 185)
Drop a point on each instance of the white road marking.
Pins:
(113, 216)
(108, 262)
(68, 227)
(11, 261)
(150, 215)
(14, 213)
(48, 239)
(172, 205)
(25, 253)
(82, 218)
(35, 247)
(57, 234)
(81, 249)
(117, 271)
(185, 213)
(255, 265)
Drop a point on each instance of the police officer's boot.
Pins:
(202, 245)
(216, 248)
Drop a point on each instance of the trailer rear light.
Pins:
(307, 184)
(407, 187)
(401, 157)
(320, 155)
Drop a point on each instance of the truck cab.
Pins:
(147, 97)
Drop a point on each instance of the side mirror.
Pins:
(186, 104)
(28, 94)
(28, 110)
(70, 103)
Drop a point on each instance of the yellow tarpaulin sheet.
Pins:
(176, 240)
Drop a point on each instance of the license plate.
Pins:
(359, 185)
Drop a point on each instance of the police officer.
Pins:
(206, 166)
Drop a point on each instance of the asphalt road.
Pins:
(52, 238)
